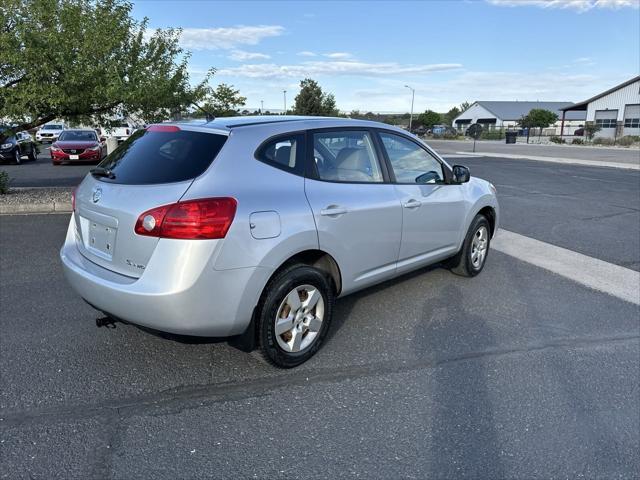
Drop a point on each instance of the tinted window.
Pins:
(149, 157)
(410, 162)
(346, 156)
(78, 136)
(285, 153)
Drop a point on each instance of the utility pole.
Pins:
(261, 107)
(413, 94)
(284, 92)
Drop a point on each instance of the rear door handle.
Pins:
(333, 211)
(413, 203)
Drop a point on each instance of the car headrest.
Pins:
(283, 155)
(351, 159)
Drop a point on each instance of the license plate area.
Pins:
(98, 233)
(102, 240)
(74, 157)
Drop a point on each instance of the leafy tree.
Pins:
(538, 118)
(429, 118)
(451, 115)
(590, 129)
(313, 101)
(224, 101)
(88, 60)
(464, 106)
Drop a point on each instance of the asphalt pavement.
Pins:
(517, 373)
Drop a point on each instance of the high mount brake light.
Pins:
(201, 219)
(163, 128)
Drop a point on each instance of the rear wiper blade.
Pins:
(102, 172)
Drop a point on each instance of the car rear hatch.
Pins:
(154, 167)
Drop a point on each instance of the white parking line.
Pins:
(620, 282)
(566, 161)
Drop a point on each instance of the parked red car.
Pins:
(78, 146)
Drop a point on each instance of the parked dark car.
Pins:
(441, 130)
(16, 146)
(78, 146)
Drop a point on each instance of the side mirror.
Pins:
(461, 174)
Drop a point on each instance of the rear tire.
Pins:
(33, 155)
(471, 258)
(294, 315)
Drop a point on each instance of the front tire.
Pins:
(471, 259)
(294, 315)
(17, 157)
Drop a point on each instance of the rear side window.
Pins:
(167, 156)
(285, 152)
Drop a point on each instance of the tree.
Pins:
(590, 129)
(313, 101)
(429, 118)
(464, 106)
(538, 118)
(224, 101)
(88, 60)
(451, 115)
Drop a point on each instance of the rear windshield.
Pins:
(150, 157)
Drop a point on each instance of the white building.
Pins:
(616, 111)
(495, 114)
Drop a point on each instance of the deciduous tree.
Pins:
(88, 60)
(224, 101)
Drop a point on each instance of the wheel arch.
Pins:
(490, 214)
(314, 258)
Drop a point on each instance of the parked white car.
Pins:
(49, 132)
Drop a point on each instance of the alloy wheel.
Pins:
(299, 318)
(479, 246)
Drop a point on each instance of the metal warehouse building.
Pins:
(495, 114)
(616, 111)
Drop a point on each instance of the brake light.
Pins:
(201, 219)
(163, 128)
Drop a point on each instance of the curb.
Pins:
(564, 161)
(32, 208)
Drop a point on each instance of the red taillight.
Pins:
(163, 128)
(206, 218)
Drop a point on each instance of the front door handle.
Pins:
(413, 203)
(333, 211)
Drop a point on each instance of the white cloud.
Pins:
(241, 56)
(579, 5)
(338, 55)
(333, 68)
(227, 37)
(306, 53)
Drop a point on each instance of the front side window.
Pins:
(285, 153)
(411, 163)
(346, 156)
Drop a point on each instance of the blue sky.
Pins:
(449, 51)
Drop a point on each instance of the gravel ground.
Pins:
(30, 200)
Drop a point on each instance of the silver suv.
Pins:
(251, 227)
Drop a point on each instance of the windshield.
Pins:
(52, 127)
(78, 136)
(151, 157)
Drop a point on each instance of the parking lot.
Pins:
(517, 373)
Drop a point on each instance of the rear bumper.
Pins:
(210, 303)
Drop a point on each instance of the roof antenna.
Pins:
(208, 115)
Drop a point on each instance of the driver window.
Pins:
(410, 162)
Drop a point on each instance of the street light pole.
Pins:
(413, 94)
(261, 107)
(284, 92)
